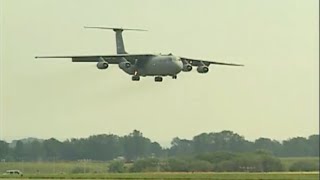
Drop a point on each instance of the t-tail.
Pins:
(119, 39)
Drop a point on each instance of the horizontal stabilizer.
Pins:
(115, 29)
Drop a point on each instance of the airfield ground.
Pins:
(98, 170)
(171, 176)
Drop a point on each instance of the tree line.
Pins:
(259, 161)
(135, 146)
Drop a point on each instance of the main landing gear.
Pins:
(158, 79)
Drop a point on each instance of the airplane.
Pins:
(142, 65)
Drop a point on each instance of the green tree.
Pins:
(203, 143)
(136, 146)
(259, 161)
(270, 164)
(19, 151)
(268, 144)
(313, 142)
(146, 165)
(304, 165)
(199, 166)
(103, 147)
(53, 149)
(156, 149)
(71, 150)
(181, 147)
(4, 150)
(177, 165)
(34, 151)
(217, 157)
(116, 166)
(222, 141)
(226, 166)
(296, 147)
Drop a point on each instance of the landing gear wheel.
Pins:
(158, 79)
(174, 77)
(135, 78)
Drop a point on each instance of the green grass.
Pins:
(55, 167)
(95, 167)
(98, 170)
(171, 176)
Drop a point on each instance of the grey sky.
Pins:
(275, 95)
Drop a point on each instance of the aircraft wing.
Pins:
(198, 62)
(112, 59)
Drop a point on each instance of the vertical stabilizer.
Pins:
(119, 39)
(119, 42)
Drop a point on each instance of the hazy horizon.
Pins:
(275, 95)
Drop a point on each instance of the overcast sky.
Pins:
(275, 95)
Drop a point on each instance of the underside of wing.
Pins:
(112, 59)
(199, 62)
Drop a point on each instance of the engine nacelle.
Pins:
(203, 69)
(125, 65)
(187, 67)
(102, 65)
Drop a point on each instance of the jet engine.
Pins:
(102, 65)
(202, 69)
(187, 67)
(125, 65)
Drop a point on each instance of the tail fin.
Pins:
(119, 39)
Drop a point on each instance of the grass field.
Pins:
(172, 176)
(55, 167)
(98, 170)
(93, 167)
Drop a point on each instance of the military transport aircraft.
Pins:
(137, 65)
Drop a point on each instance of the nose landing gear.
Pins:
(135, 78)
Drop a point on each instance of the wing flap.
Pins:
(198, 62)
